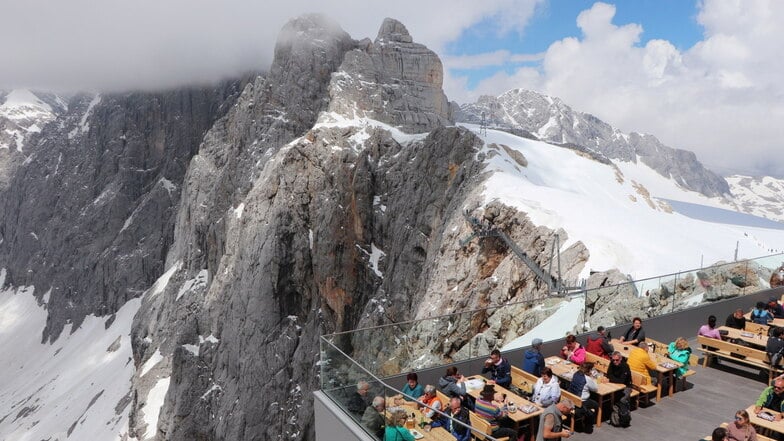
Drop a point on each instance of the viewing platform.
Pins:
(382, 357)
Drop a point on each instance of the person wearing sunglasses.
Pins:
(618, 372)
(772, 397)
(741, 429)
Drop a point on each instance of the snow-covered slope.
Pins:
(75, 388)
(758, 196)
(617, 211)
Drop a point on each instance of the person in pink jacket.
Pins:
(573, 351)
(710, 330)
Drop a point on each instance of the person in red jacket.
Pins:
(597, 344)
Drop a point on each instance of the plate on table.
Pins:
(416, 434)
(474, 383)
(747, 334)
(528, 409)
(668, 365)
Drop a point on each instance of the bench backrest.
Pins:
(443, 399)
(522, 379)
(756, 328)
(481, 425)
(577, 401)
(600, 363)
(754, 354)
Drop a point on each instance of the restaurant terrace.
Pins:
(689, 410)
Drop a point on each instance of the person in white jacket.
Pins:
(546, 390)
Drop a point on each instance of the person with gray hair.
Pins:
(432, 403)
(373, 418)
(551, 421)
(360, 398)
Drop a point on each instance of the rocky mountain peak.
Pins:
(393, 31)
(393, 80)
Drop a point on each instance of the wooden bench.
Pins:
(602, 364)
(482, 427)
(736, 353)
(643, 386)
(664, 350)
(759, 437)
(523, 380)
(577, 401)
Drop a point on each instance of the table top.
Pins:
(750, 337)
(776, 426)
(519, 401)
(565, 369)
(663, 364)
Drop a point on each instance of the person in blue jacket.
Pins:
(533, 360)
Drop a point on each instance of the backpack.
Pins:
(621, 416)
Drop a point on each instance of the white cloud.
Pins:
(84, 44)
(721, 98)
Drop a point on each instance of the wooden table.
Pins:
(776, 426)
(436, 434)
(660, 360)
(519, 416)
(748, 337)
(564, 369)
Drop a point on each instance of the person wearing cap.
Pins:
(551, 421)
(775, 308)
(412, 389)
(533, 360)
(485, 407)
(597, 344)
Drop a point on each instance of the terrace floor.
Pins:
(713, 397)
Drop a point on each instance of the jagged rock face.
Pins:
(392, 80)
(89, 215)
(551, 120)
(760, 196)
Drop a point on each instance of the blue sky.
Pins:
(553, 20)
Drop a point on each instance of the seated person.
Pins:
(432, 404)
(760, 314)
(640, 361)
(457, 412)
(533, 360)
(741, 429)
(775, 342)
(373, 418)
(680, 351)
(582, 385)
(395, 430)
(546, 391)
(618, 372)
(499, 368)
(412, 389)
(597, 344)
(736, 320)
(774, 307)
(719, 434)
(710, 330)
(772, 398)
(452, 383)
(359, 399)
(485, 407)
(573, 351)
(635, 333)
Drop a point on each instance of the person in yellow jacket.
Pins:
(640, 361)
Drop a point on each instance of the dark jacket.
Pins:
(460, 432)
(374, 421)
(620, 373)
(737, 323)
(533, 361)
(501, 373)
(631, 334)
(774, 345)
(451, 388)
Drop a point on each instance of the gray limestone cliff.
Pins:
(88, 216)
(550, 119)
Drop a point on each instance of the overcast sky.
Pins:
(705, 78)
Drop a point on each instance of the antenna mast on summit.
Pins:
(483, 126)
